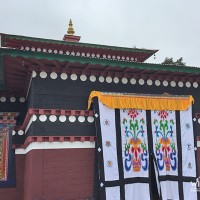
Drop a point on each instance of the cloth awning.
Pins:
(140, 101)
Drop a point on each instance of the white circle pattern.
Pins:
(141, 81)
(188, 84)
(12, 99)
(62, 118)
(180, 84)
(101, 79)
(81, 119)
(173, 83)
(72, 118)
(165, 83)
(3, 99)
(90, 119)
(43, 74)
(149, 82)
(34, 74)
(34, 118)
(116, 80)
(195, 85)
(52, 118)
(42, 118)
(157, 82)
(124, 80)
(63, 76)
(108, 79)
(92, 78)
(133, 81)
(83, 77)
(53, 75)
(20, 132)
(73, 77)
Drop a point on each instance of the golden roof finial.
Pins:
(70, 30)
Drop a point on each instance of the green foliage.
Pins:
(127, 146)
(172, 145)
(144, 146)
(158, 145)
(170, 61)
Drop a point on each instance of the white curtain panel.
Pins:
(108, 131)
(190, 190)
(169, 190)
(113, 193)
(135, 152)
(137, 191)
(187, 142)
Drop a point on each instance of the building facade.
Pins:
(47, 133)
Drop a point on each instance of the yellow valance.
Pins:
(144, 102)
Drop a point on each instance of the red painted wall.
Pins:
(15, 193)
(62, 174)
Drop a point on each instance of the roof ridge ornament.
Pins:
(70, 37)
(70, 30)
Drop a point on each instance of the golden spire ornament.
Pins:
(70, 30)
(70, 37)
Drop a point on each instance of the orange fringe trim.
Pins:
(144, 102)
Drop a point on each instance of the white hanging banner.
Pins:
(187, 143)
(127, 137)
(108, 134)
(128, 128)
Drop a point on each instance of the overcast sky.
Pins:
(172, 26)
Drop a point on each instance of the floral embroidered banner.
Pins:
(127, 141)
(124, 154)
(164, 141)
(135, 151)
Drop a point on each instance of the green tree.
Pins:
(170, 61)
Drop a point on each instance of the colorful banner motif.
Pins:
(7, 164)
(134, 142)
(123, 137)
(164, 141)
(129, 138)
(4, 144)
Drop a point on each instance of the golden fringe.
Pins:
(144, 102)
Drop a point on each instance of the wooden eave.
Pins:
(18, 66)
(19, 42)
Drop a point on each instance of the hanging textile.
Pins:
(144, 102)
(124, 160)
(134, 143)
(4, 146)
(165, 131)
(129, 134)
(7, 173)
(165, 150)
(188, 154)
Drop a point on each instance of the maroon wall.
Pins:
(15, 193)
(61, 174)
